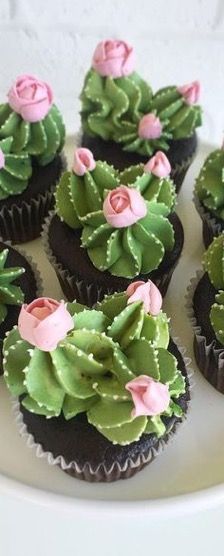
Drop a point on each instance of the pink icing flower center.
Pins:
(83, 161)
(148, 293)
(158, 165)
(190, 92)
(124, 206)
(2, 159)
(150, 127)
(31, 98)
(113, 58)
(149, 396)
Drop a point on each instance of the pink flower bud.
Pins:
(158, 165)
(190, 92)
(124, 206)
(113, 58)
(31, 98)
(149, 396)
(148, 293)
(83, 161)
(150, 127)
(2, 159)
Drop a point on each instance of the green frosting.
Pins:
(9, 293)
(15, 173)
(213, 262)
(126, 251)
(113, 108)
(217, 316)
(42, 139)
(210, 183)
(87, 372)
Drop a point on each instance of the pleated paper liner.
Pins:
(211, 226)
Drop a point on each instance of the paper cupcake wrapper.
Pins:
(209, 358)
(24, 223)
(102, 473)
(210, 226)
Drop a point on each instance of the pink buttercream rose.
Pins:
(150, 127)
(44, 322)
(149, 396)
(158, 165)
(31, 98)
(148, 293)
(113, 58)
(124, 206)
(83, 161)
(190, 92)
(2, 159)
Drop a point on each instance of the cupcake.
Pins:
(124, 122)
(100, 390)
(209, 195)
(19, 282)
(206, 311)
(110, 227)
(32, 136)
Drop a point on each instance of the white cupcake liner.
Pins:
(116, 470)
(210, 226)
(209, 358)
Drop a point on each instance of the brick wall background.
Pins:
(176, 41)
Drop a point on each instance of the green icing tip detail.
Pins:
(15, 171)
(9, 293)
(209, 185)
(213, 262)
(217, 316)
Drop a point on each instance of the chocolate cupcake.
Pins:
(32, 136)
(111, 227)
(101, 391)
(124, 122)
(206, 311)
(19, 282)
(209, 195)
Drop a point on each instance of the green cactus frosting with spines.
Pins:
(213, 262)
(43, 139)
(112, 109)
(15, 173)
(209, 185)
(217, 316)
(9, 293)
(89, 369)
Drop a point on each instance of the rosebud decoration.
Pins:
(124, 206)
(150, 127)
(44, 322)
(158, 165)
(148, 293)
(83, 161)
(113, 59)
(190, 92)
(149, 396)
(31, 98)
(2, 159)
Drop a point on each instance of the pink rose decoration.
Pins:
(158, 165)
(2, 159)
(113, 59)
(31, 98)
(190, 92)
(44, 322)
(83, 161)
(149, 396)
(148, 293)
(150, 127)
(124, 206)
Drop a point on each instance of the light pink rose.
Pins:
(150, 127)
(190, 92)
(124, 206)
(2, 159)
(44, 322)
(158, 165)
(31, 98)
(148, 293)
(149, 396)
(83, 161)
(113, 59)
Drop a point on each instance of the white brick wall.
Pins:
(175, 41)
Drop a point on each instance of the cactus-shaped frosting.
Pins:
(138, 244)
(112, 356)
(213, 262)
(15, 170)
(210, 183)
(217, 316)
(9, 293)
(120, 106)
(32, 119)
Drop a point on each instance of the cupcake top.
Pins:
(32, 119)
(209, 185)
(110, 362)
(213, 262)
(123, 216)
(15, 170)
(9, 293)
(118, 104)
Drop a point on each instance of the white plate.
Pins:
(189, 474)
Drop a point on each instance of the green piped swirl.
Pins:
(213, 262)
(112, 109)
(88, 371)
(43, 139)
(210, 183)
(15, 173)
(9, 293)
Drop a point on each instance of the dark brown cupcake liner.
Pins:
(20, 224)
(211, 226)
(209, 358)
(116, 470)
